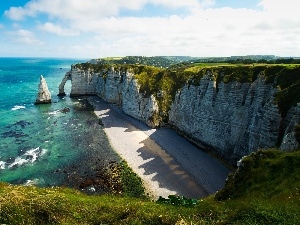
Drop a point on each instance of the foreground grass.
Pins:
(29, 205)
(265, 190)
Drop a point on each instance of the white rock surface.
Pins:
(233, 119)
(44, 95)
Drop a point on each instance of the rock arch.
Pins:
(63, 82)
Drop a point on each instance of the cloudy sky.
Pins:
(100, 28)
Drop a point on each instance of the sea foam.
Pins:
(54, 112)
(2, 165)
(28, 157)
(17, 107)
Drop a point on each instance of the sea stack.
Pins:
(43, 96)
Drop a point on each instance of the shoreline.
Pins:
(167, 163)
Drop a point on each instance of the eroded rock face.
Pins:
(116, 87)
(289, 141)
(83, 82)
(233, 119)
(62, 84)
(44, 95)
(136, 105)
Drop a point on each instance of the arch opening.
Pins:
(64, 85)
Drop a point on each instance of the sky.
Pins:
(102, 28)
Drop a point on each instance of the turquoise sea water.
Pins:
(40, 143)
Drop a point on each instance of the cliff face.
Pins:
(233, 119)
(114, 87)
(138, 106)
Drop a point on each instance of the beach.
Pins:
(167, 163)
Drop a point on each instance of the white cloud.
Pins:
(93, 9)
(272, 29)
(26, 37)
(56, 29)
(73, 9)
(1, 26)
(178, 3)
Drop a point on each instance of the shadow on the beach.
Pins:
(180, 172)
(168, 172)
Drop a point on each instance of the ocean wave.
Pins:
(54, 112)
(34, 182)
(17, 107)
(29, 157)
(2, 165)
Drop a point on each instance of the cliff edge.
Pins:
(229, 110)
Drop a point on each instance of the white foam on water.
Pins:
(2, 165)
(29, 157)
(54, 112)
(18, 162)
(35, 181)
(17, 107)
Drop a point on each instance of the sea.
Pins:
(58, 144)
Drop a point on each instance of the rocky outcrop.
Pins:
(232, 119)
(44, 95)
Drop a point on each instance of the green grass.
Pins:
(265, 190)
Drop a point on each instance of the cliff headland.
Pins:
(229, 110)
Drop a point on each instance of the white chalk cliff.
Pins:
(43, 95)
(233, 119)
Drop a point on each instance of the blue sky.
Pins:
(100, 28)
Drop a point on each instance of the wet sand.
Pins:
(167, 163)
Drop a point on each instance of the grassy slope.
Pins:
(265, 190)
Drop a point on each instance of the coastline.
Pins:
(167, 163)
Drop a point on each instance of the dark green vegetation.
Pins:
(265, 190)
(157, 61)
(116, 178)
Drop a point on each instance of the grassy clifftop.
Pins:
(163, 83)
(264, 190)
(167, 81)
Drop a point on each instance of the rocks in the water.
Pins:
(65, 110)
(21, 123)
(43, 95)
(13, 133)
